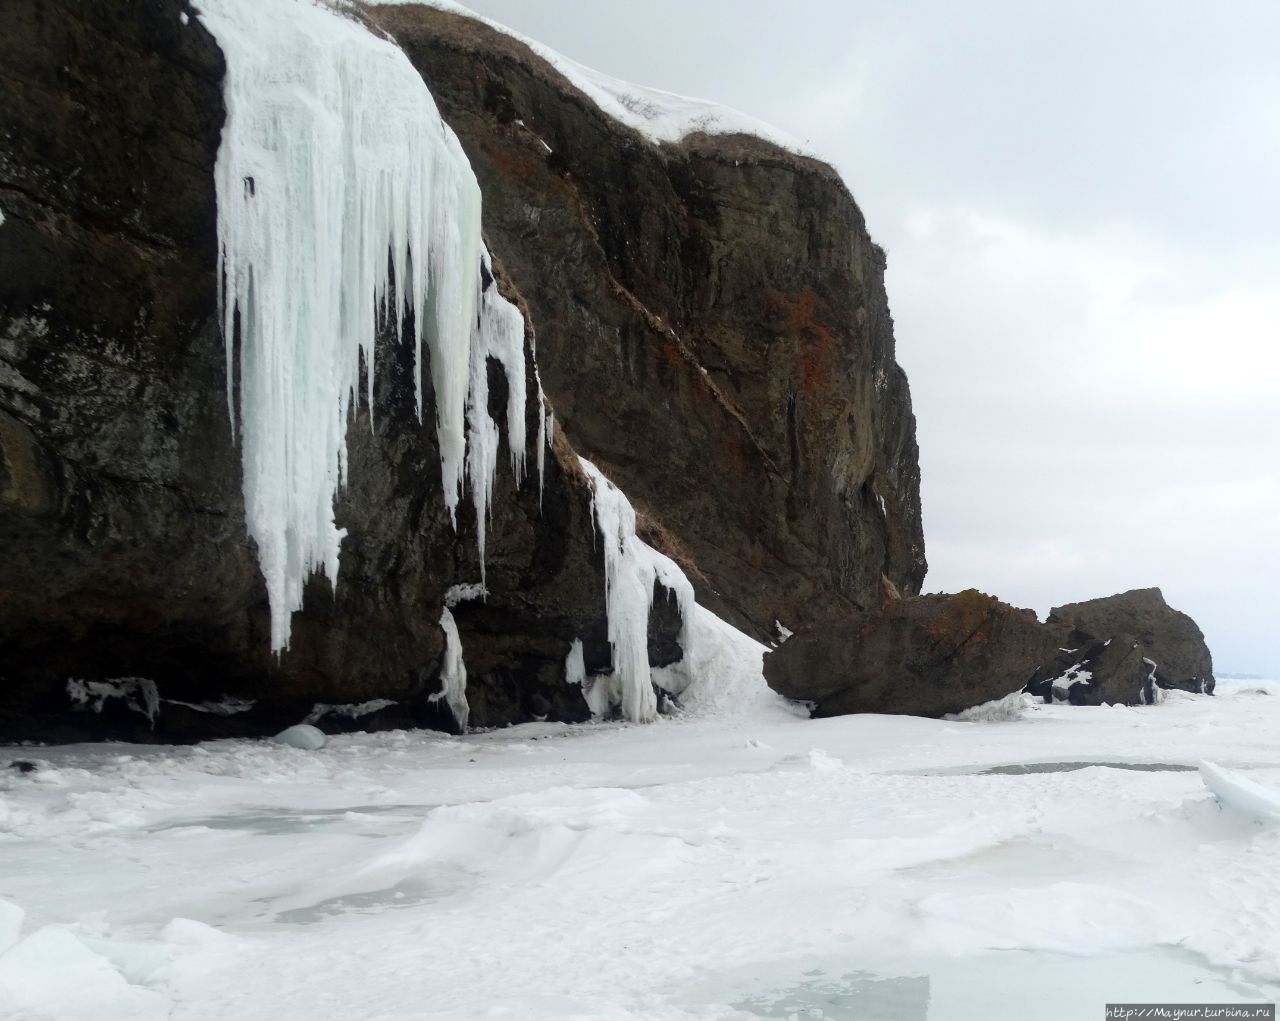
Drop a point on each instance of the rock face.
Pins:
(712, 329)
(127, 579)
(939, 654)
(924, 656)
(1120, 649)
(1166, 635)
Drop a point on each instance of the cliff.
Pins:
(710, 329)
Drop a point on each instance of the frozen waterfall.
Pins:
(630, 570)
(333, 153)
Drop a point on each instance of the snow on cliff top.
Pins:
(659, 116)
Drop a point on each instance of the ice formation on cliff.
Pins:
(631, 569)
(334, 154)
(453, 674)
(333, 157)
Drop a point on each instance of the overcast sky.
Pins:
(1081, 206)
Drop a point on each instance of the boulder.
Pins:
(1167, 636)
(1121, 649)
(925, 656)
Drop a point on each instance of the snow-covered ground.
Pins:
(738, 862)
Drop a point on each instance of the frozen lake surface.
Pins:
(740, 862)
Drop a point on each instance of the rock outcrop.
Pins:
(1122, 649)
(923, 656)
(940, 654)
(131, 603)
(712, 329)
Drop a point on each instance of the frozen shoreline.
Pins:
(715, 866)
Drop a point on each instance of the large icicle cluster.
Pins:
(499, 335)
(630, 569)
(333, 158)
(332, 151)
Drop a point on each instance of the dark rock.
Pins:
(121, 512)
(1167, 636)
(1127, 646)
(23, 766)
(924, 656)
(712, 329)
(1097, 672)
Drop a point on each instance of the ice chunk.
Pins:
(53, 974)
(575, 671)
(138, 693)
(333, 154)
(631, 568)
(464, 593)
(351, 710)
(998, 710)
(453, 675)
(1241, 794)
(228, 705)
(302, 735)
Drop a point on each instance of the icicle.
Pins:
(453, 674)
(631, 568)
(544, 440)
(575, 671)
(499, 334)
(332, 152)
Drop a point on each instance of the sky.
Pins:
(1081, 208)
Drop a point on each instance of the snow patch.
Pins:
(1062, 684)
(658, 115)
(999, 710)
(53, 974)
